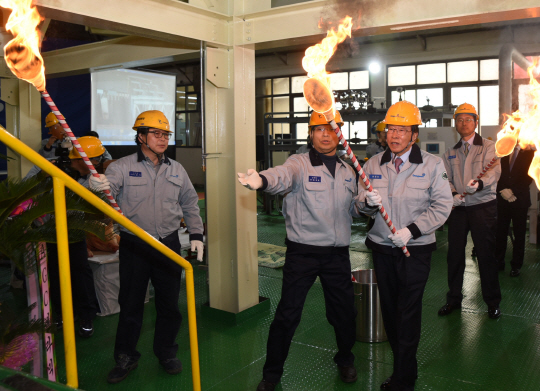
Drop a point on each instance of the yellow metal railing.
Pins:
(60, 181)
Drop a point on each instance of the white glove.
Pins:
(458, 200)
(373, 198)
(252, 180)
(470, 187)
(512, 199)
(507, 194)
(197, 245)
(401, 237)
(99, 184)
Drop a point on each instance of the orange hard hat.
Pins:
(320, 119)
(466, 108)
(92, 146)
(403, 113)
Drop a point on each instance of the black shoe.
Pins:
(266, 386)
(172, 366)
(494, 312)
(447, 309)
(86, 328)
(348, 374)
(514, 272)
(387, 384)
(124, 366)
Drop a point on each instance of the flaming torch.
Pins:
(319, 96)
(520, 128)
(24, 59)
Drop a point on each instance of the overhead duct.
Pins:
(508, 55)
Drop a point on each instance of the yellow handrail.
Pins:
(60, 181)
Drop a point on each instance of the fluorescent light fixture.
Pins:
(374, 67)
(412, 26)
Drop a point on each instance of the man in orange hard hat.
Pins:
(476, 212)
(412, 186)
(57, 132)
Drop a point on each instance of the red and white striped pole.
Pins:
(484, 170)
(45, 95)
(364, 177)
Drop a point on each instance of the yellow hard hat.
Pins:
(152, 119)
(403, 113)
(51, 120)
(381, 127)
(92, 146)
(320, 119)
(466, 108)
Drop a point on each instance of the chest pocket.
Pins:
(316, 195)
(136, 187)
(419, 190)
(174, 185)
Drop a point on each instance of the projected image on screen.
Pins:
(119, 95)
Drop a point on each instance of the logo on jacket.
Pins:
(348, 180)
(174, 176)
(135, 173)
(371, 176)
(445, 176)
(419, 176)
(451, 157)
(314, 178)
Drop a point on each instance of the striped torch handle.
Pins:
(484, 170)
(365, 179)
(45, 95)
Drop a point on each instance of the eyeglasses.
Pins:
(167, 135)
(466, 120)
(322, 129)
(399, 131)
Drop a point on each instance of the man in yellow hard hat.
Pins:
(476, 212)
(57, 132)
(412, 185)
(379, 145)
(155, 193)
(318, 215)
(317, 119)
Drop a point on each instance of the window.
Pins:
(401, 76)
(359, 80)
(489, 69)
(489, 105)
(462, 71)
(188, 117)
(431, 73)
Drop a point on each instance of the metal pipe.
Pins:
(507, 56)
(202, 101)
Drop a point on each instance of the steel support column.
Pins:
(230, 148)
(23, 120)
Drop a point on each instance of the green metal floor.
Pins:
(465, 351)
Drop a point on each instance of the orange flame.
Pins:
(317, 90)
(22, 52)
(524, 128)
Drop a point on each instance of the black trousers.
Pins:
(140, 263)
(85, 303)
(519, 224)
(482, 223)
(299, 273)
(401, 283)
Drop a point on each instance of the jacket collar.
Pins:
(141, 156)
(415, 156)
(316, 160)
(477, 141)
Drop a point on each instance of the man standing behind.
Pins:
(155, 193)
(379, 145)
(57, 132)
(477, 212)
(317, 210)
(413, 187)
(513, 202)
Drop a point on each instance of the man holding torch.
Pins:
(413, 187)
(476, 212)
(318, 211)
